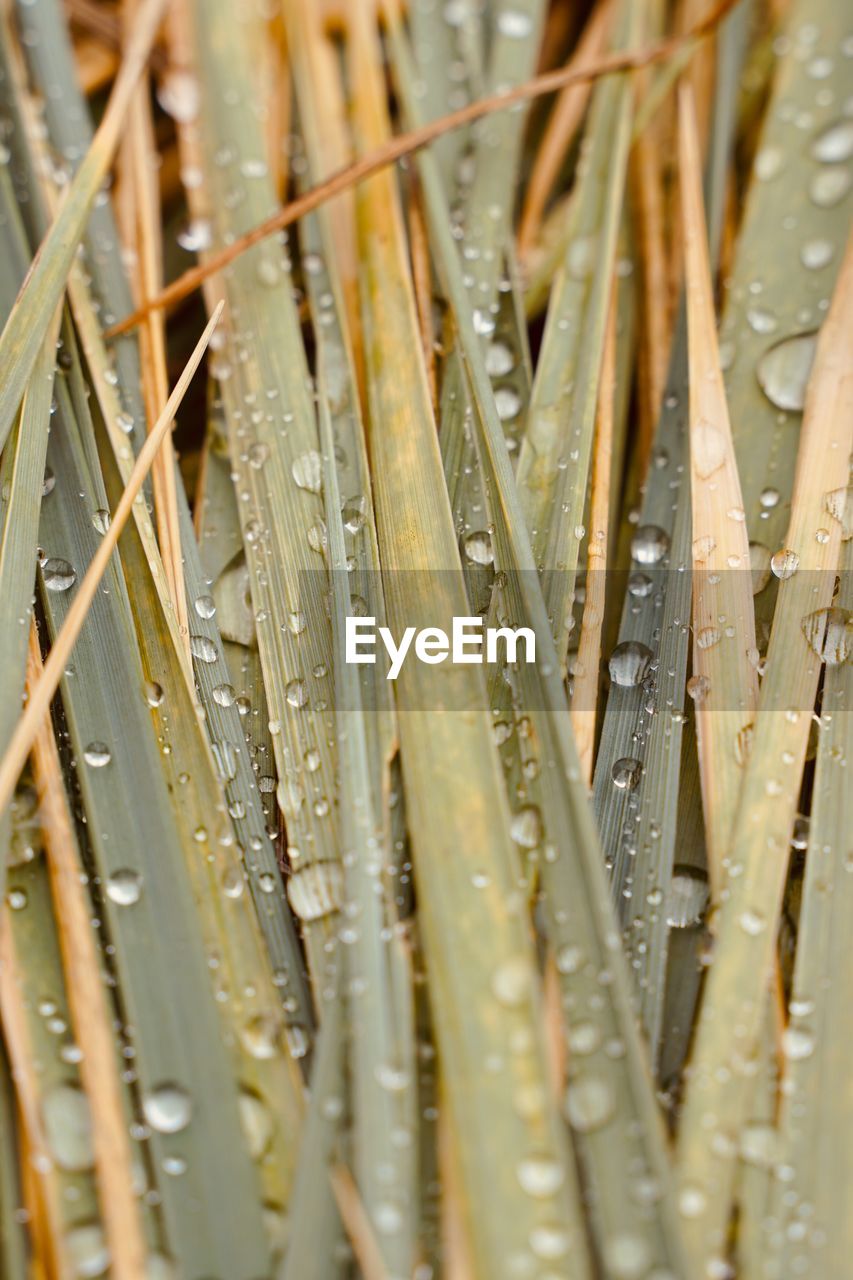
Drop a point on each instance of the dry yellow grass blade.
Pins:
(92, 1019)
(480, 964)
(42, 693)
(725, 656)
(720, 1075)
(143, 236)
(25, 328)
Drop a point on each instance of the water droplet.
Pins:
(829, 187)
(783, 372)
(752, 922)
(101, 520)
(540, 1176)
(511, 981)
(692, 1201)
(835, 144)
(223, 695)
(49, 482)
(261, 1036)
(629, 663)
(179, 95)
(315, 891)
(828, 632)
(97, 755)
(707, 637)
(797, 1043)
(784, 563)
(816, 254)
(58, 574)
(526, 827)
(256, 1122)
(307, 471)
(68, 1128)
(124, 887)
(499, 360)
(203, 649)
(296, 693)
(698, 687)
(205, 606)
(649, 544)
(589, 1103)
(769, 161)
(627, 1256)
(514, 24)
(478, 547)
(87, 1251)
(507, 403)
(167, 1108)
(640, 585)
(626, 773)
(197, 236)
(687, 898)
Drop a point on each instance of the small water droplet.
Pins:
(589, 1103)
(124, 887)
(167, 1108)
(205, 606)
(97, 755)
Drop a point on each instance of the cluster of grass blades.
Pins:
(415, 310)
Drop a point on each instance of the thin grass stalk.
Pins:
(587, 670)
(561, 129)
(730, 1017)
(725, 655)
(26, 326)
(140, 180)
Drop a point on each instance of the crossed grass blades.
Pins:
(534, 972)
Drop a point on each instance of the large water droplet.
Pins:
(58, 574)
(828, 632)
(783, 372)
(629, 663)
(307, 471)
(649, 544)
